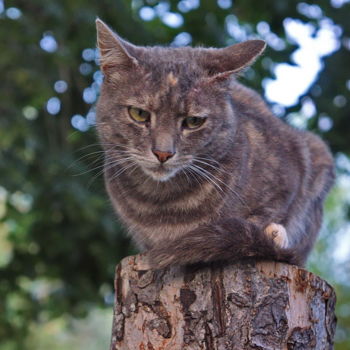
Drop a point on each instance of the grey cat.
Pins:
(196, 165)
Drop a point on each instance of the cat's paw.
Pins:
(278, 234)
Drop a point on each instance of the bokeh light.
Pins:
(182, 39)
(53, 105)
(172, 19)
(60, 86)
(79, 123)
(147, 13)
(48, 43)
(12, 12)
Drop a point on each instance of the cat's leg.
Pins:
(304, 217)
(230, 240)
(303, 228)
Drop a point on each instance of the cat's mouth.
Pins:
(160, 172)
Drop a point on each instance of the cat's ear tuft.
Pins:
(115, 57)
(232, 59)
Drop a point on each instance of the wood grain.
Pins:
(250, 305)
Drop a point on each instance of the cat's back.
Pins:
(254, 113)
(260, 125)
(251, 107)
(278, 143)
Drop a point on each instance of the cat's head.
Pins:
(163, 109)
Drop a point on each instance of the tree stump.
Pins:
(247, 305)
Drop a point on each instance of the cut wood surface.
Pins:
(248, 305)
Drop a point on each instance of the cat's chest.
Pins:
(156, 220)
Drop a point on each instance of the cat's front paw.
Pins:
(278, 234)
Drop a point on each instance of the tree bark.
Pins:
(247, 305)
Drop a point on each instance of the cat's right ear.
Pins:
(115, 56)
(223, 63)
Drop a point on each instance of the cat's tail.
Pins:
(227, 240)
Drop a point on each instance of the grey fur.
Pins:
(243, 170)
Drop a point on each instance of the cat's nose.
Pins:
(162, 156)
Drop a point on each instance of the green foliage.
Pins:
(59, 240)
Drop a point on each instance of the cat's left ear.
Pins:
(117, 56)
(222, 63)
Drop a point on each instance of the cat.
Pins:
(196, 166)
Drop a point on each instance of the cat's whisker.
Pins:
(107, 164)
(94, 178)
(100, 155)
(133, 170)
(204, 178)
(191, 172)
(115, 151)
(204, 174)
(219, 167)
(228, 187)
(126, 191)
(87, 146)
(89, 170)
(117, 161)
(209, 174)
(97, 122)
(94, 145)
(98, 159)
(99, 152)
(213, 176)
(205, 163)
(122, 170)
(183, 170)
(222, 169)
(106, 167)
(210, 162)
(209, 159)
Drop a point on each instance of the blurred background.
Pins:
(59, 239)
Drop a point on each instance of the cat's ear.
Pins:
(116, 55)
(222, 63)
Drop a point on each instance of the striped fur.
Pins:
(228, 180)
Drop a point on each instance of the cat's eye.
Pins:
(193, 122)
(139, 115)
